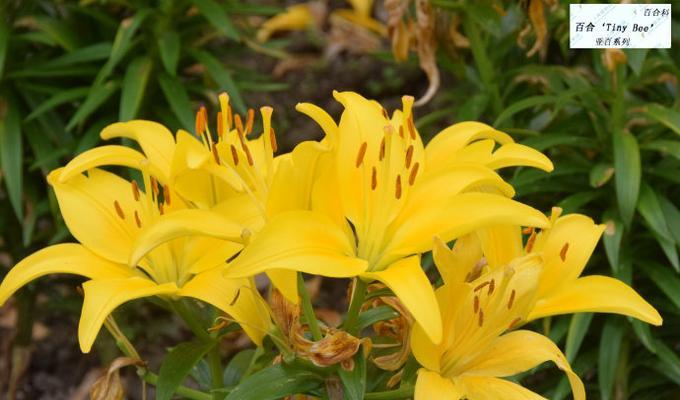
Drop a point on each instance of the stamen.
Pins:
(530, 242)
(239, 124)
(360, 155)
(476, 304)
(234, 155)
(216, 155)
(381, 154)
(230, 117)
(481, 286)
(384, 112)
(481, 318)
(238, 293)
(249, 121)
(374, 178)
(200, 122)
(161, 208)
(409, 156)
(411, 127)
(397, 189)
(563, 252)
(220, 125)
(135, 190)
(119, 210)
(414, 172)
(527, 230)
(272, 138)
(166, 194)
(137, 220)
(154, 187)
(492, 286)
(512, 299)
(515, 322)
(401, 132)
(248, 155)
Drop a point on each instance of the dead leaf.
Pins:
(109, 385)
(427, 48)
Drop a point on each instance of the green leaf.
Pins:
(169, 46)
(612, 239)
(664, 115)
(178, 99)
(665, 279)
(671, 216)
(122, 42)
(223, 78)
(134, 86)
(610, 347)
(95, 52)
(237, 367)
(600, 174)
(276, 382)
(670, 147)
(578, 327)
(58, 99)
(636, 58)
(58, 30)
(574, 202)
(354, 381)
(521, 105)
(216, 15)
(11, 154)
(373, 315)
(650, 209)
(643, 333)
(177, 364)
(4, 42)
(97, 95)
(628, 173)
(670, 360)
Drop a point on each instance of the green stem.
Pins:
(401, 393)
(183, 391)
(484, 65)
(358, 297)
(190, 319)
(216, 374)
(308, 309)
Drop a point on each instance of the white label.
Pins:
(624, 26)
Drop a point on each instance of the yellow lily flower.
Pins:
(475, 352)
(564, 248)
(136, 243)
(296, 17)
(378, 200)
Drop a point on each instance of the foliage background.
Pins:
(69, 68)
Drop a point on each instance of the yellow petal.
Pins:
(101, 156)
(88, 205)
(102, 296)
(455, 265)
(515, 154)
(183, 223)
(155, 140)
(409, 283)
(430, 385)
(236, 297)
(362, 7)
(295, 18)
(285, 281)
(203, 253)
(487, 388)
(302, 241)
(462, 214)
(321, 117)
(455, 137)
(520, 351)
(364, 21)
(426, 353)
(67, 258)
(566, 248)
(501, 244)
(596, 293)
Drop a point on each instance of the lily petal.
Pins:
(66, 258)
(463, 214)
(302, 241)
(184, 223)
(501, 244)
(431, 385)
(321, 117)
(520, 351)
(102, 296)
(487, 388)
(454, 265)
(105, 155)
(597, 293)
(155, 140)
(285, 280)
(426, 353)
(88, 205)
(515, 154)
(455, 137)
(236, 297)
(409, 283)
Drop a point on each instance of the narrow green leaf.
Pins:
(578, 327)
(612, 239)
(643, 333)
(354, 381)
(627, 174)
(178, 99)
(600, 174)
(574, 202)
(134, 86)
(610, 346)
(176, 366)
(636, 58)
(650, 209)
(664, 115)
(373, 315)
(276, 382)
(58, 99)
(168, 47)
(122, 42)
(665, 279)
(223, 78)
(12, 153)
(95, 52)
(521, 105)
(4, 42)
(237, 367)
(58, 30)
(670, 147)
(96, 97)
(671, 216)
(670, 360)
(216, 15)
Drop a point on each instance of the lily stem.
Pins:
(183, 391)
(190, 319)
(308, 309)
(358, 296)
(216, 375)
(401, 393)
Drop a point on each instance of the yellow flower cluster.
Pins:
(213, 209)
